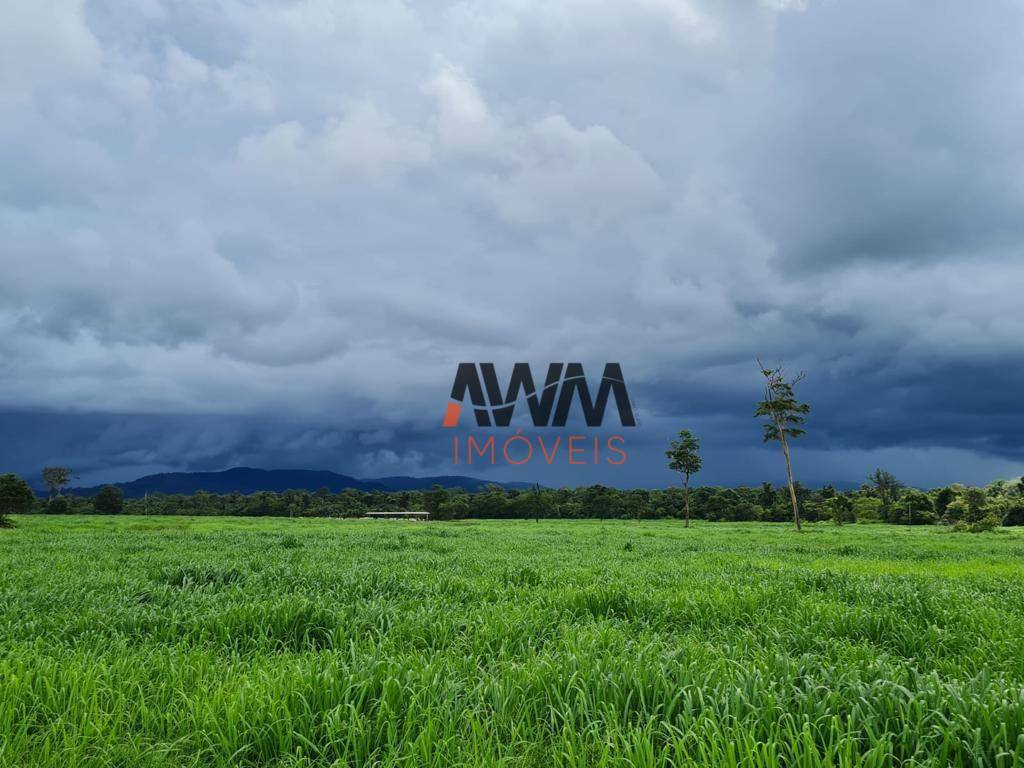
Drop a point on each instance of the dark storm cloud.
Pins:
(264, 233)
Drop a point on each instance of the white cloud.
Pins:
(462, 122)
(44, 45)
(365, 144)
(787, 5)
(562, 175)
(183, 70)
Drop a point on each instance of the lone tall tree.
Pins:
(785, 416)
(684, 457)
(56, 478)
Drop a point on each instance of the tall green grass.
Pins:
(254, 642)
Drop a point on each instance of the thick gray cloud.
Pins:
(265, 232)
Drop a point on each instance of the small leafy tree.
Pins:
(56, 478)
(16, 498)
(842, 509)
(1014, 508)
(886, 487)
(109, 500)
(456, 508)
(973, 510)
(532, 504)
(968, 507)
(684, 457)
(941, 501)
(59, 505)
(785, 417)
(999, 508)
(434, 498)
(916, 508)
(867, 509)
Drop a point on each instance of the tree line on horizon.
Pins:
(882, 499)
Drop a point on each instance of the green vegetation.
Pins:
(15, 498)
(1001, 503)
(109, 501)
(177, 641)
(785, 419)
(56, 478)
(683, 456)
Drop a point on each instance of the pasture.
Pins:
(160, 641)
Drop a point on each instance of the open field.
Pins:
(133, 641)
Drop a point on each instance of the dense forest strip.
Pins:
(1001, 503)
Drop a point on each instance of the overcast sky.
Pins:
(264, 233)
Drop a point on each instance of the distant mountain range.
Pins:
(249, 480)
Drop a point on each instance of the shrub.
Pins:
(987, 523)
(109, 501)
(867, 509)
(842, 510)
(16, 498)
(455, 509)
(58, 505)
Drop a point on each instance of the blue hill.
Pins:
(248, 480)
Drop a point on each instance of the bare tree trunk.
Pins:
(686, 499)
(789, 479)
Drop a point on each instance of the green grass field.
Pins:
(212, 642)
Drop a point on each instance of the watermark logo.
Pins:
(550, 405)
(563, 384)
